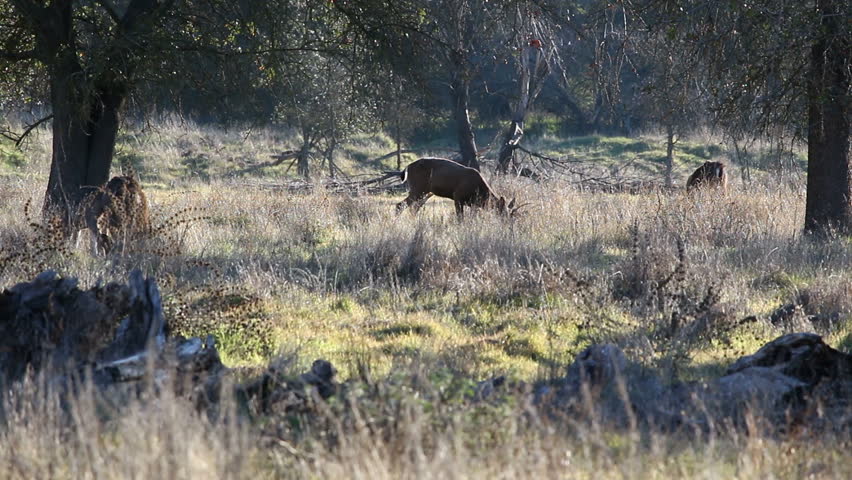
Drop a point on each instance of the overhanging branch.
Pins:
(18, 139)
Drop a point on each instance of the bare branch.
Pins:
(403, 152)
(278, 160)
(18, 139)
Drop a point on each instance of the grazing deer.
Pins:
(115, 213)
(448, 179)
(711, 174)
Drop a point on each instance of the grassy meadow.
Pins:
(430, 305)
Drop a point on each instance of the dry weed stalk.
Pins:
(32, 256)
(203, 308)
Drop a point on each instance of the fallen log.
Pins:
(794, 379)
(116, 337)
(113, 334)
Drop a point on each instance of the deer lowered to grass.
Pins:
(115, 213)
(710, 174)
(448, 179)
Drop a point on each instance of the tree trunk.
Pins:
(669, 155)
(512, 135)
(460, 91)
(329, 155)
(511, 138)
(581, 123)
(303, 166)
(828, 206)
(743, 158)
(84, 133)
(398, 145)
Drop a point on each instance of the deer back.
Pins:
(710, 174)
(446, 178)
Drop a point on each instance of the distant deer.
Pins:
(115, 213)
(711, 174)
(448, 179)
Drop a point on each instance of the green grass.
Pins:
(11, 158)
(383, 285)
(645, 154)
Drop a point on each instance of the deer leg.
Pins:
(459, 210)
(416, 201)
(94, 233)
(403, 204)
(419, 203)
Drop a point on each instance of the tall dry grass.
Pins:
(411, 425)
(297, 250)
(347, 278)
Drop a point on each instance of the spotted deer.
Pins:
(115, 214)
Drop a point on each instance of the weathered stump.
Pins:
(113, 334)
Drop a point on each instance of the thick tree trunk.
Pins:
(513, 134)
(303, 166)
(511, 138)
(581, 122)
(460, 86)
(86, 101)
(829, 196)
(533, 69)
(84, 133)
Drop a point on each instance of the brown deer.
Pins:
(448, 179)
(711, 174)
(115, 213)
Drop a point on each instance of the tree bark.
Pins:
(513, 134)
(533, 69)
(87, 101)
(85, 126)
(511, 138)
(460, 91)
(398, 145)
(329, 156)
(829, 190)
(669, 154)
(303, 166)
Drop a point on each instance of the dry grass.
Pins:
(416, 424)
(341, 276)
(346, 279)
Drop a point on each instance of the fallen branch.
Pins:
(401, 152)
(279, 159)
(372, 186)
(613, 181)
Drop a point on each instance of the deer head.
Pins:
(710, 174)
(509, 210)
